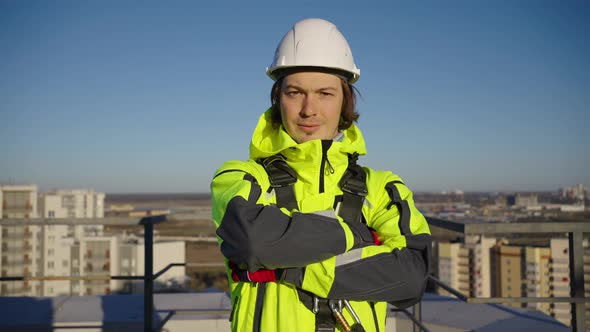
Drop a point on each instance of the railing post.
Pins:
(148, 282)
(576, 258)
(417, 315)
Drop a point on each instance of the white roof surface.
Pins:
(19, 312)
(452, 312)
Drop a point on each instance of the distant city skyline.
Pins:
(154, 98)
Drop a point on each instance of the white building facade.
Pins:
(453, 266)
(74, 204)
(560, 275)
(538, 281)
(480, 247)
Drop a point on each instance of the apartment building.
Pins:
(164, 253)
(60, 240)
(508, 270)
(479, 247)
(33, 250)
(465, 266)
(93, 257)
(20, 246)
(537, 276)
(74, 204)
(560, 275)
(18, 201)
(131, 262)
(56, 250)
(453, 266)
(77, 203)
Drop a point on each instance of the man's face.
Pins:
(311, 103)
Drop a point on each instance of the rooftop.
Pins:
(210, 311)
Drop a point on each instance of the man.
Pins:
(313, 241)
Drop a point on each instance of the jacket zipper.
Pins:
(325, 146)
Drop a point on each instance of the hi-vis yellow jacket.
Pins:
(314, 248)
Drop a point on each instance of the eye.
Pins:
(324, 94)
(292, 93)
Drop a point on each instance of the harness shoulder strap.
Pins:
(354, 187)
(282, 178)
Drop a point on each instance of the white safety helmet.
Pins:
(314, 42)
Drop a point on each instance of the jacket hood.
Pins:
(268, 140)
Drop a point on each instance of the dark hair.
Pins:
(348, 114)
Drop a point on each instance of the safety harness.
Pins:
(353, 185)
(349, 207)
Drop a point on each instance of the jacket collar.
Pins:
(268, 140)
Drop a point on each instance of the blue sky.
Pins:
(153, 96)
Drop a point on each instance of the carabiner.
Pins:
(336, 307)
(352, 312)
(316, 305)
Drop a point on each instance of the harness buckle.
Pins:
(353, 186)
(353, 180)
(279, 173)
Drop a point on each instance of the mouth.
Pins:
(307, 127)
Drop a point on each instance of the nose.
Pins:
(308, 107)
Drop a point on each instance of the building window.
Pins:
(64, 263)
(50, 252)
(50, 264)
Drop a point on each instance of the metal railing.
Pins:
(148, 277)
(574, 231)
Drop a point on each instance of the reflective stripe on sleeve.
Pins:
(349, 257)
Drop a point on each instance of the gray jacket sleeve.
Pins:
(259, 236)
(398, 277)
(397, 270)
